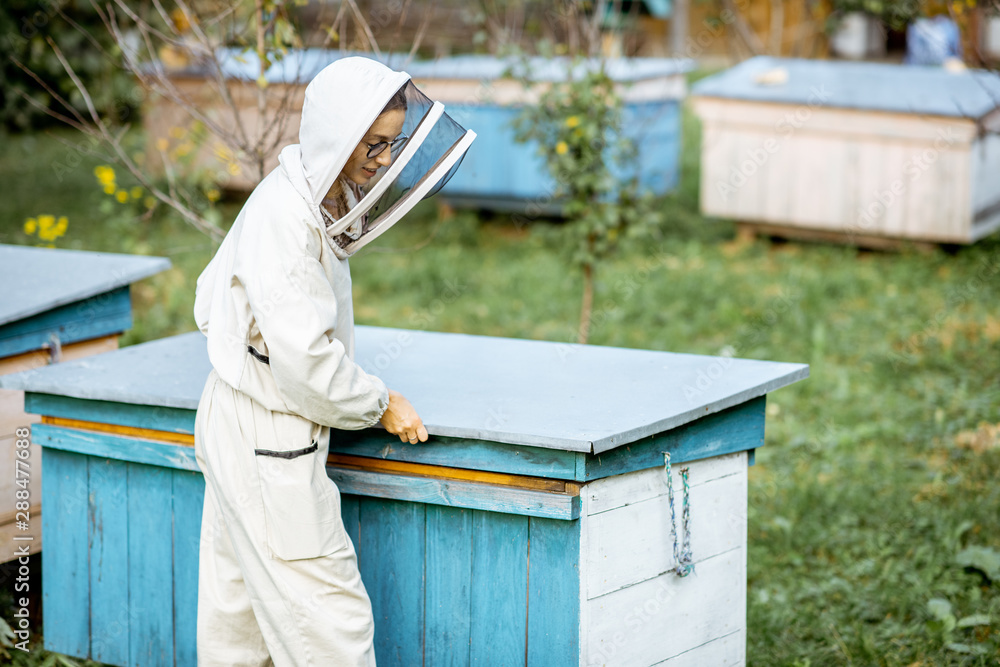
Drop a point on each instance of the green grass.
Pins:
(865, 491)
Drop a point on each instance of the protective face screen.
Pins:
(420, 166)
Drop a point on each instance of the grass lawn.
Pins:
(877, 471)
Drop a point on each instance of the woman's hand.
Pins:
(401, 419)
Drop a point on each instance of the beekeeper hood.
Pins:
(341, 104)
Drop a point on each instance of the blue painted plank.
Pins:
(97, 316)
(150, 566)
(106, 445)
(498, 167)
(350, 513)
(174, 420)
(456, 493)
(109, 610)
(392, 541)
(499, 588)
(65, 578)
(440, 450)
(188, 499)
(448, 604)
(736, 429)
(553, 593)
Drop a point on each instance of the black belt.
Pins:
(258, 356)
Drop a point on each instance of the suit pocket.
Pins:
(301, 504)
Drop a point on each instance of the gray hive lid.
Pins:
(479, 67)
(301, 65)
(909, 89)
(296, 66)
(560, 396)
(39, 279)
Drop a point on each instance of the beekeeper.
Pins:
(278, 575)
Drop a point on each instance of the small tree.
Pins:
(578, 126)
(144, 36)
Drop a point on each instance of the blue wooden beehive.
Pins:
(57, 305)
(54, 298)
(497, 172)
(500, 173)
(532, 529)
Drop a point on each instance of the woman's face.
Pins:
(360, 168)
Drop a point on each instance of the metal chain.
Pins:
(683, 558)
(687, 558)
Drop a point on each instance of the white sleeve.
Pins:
(295, 309)
(204, 287)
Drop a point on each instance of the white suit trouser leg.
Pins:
(253, 607)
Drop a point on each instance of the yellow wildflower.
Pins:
(136, 192)
(213, 194)
(222, 153)
(61, 224)
(177, 132)
(104, 174)
(572, 121)
(45, 223)
(184, 148)
(162, 144)
(109, 188)
(30, 225)
(149, 202)
(121, 196)
(562, 147)
(234, 168)
(180, 20)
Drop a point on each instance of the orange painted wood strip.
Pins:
(131, 431)
(357, 462)
(38, 358)
(443, 472)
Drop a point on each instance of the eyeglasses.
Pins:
(374, 150)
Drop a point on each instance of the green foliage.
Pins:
(280, 33)
(896, 14)
(983, 559)
(24, 27)
(578, 127)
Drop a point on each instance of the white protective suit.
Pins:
(278, 575)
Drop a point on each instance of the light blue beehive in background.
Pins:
(499, 173)
(532, 529)
(57, 305)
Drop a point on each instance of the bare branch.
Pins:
(421, 30)
(364, 26)
(79, 119)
